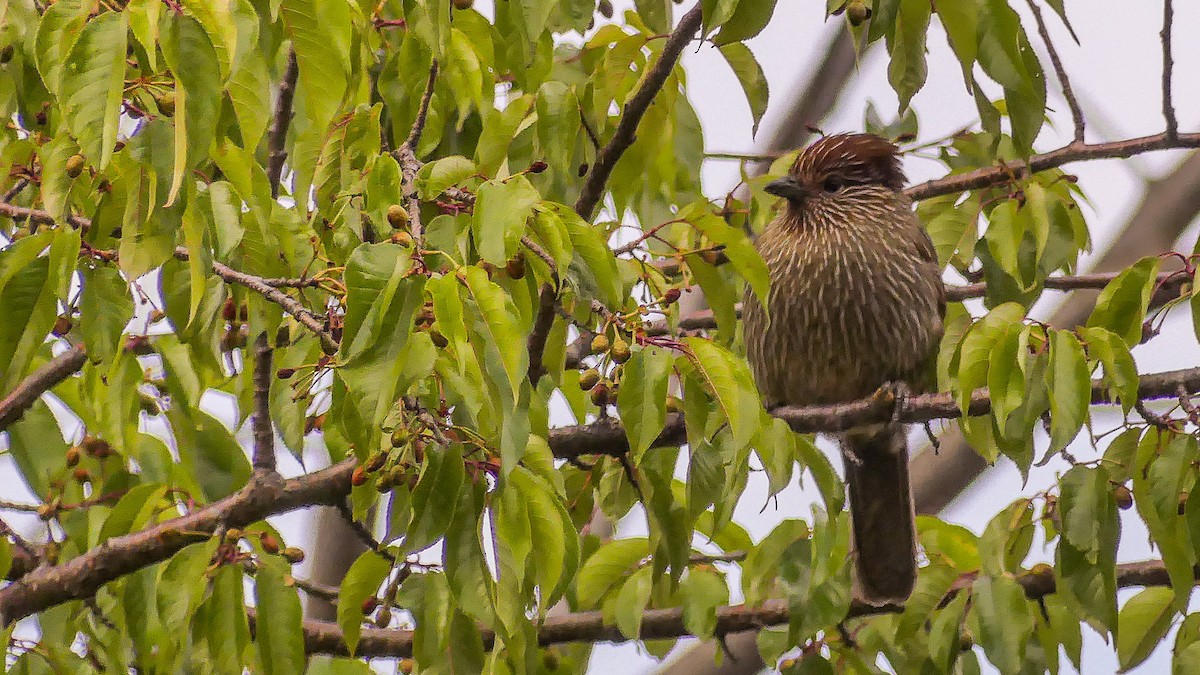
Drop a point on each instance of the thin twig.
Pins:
(1168, 64)
(264, 435)
(1063, 80)
(364, 535)
(277, 136)
(414, 135)
(15, 190)
(304, 315)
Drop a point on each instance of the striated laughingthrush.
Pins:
(856, 307)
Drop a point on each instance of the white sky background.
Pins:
(1116, 76)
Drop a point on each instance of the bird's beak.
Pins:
(788, 188)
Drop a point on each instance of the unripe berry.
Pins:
(589, 379)
(359, 477)
(671, 296)
(73, 455)
(620, 351)
(166, 103)
(75, 165)
(1123, 496)
(293, 555)
(538, 167)
(600, 344)
(600, 394)
(515, 267)
(397, 216)
(269, 543)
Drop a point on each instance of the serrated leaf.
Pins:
(93, 83)
(278, 634)
(1070, 388)
(558, 123)
(1121, 307)
(1142, 624)
(725, 379)
(594, 268)
(435, 497)
(748, 20)
(1006, 621)
(607, 568)
(501, 209)
(642, 398)
(434, 177)
(704, 590)
(362, 581)
(631, 602)
(499, 320)
(907, 70)
(750, 75)
(961, 22)
(198, 90)
(321, 35)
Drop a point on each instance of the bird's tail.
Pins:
(881, 514)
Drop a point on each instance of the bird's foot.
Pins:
(894, 393)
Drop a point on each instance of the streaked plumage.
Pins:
(856, 302)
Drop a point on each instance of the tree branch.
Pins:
(40, 381)
(304, 315)
(623, 137)
(414, 134)
(81, 577)
(1073, 152)
(264, 435)
(1172, 131)
(1063, 80)
(277, 136)
(607, 436)
(326, 638)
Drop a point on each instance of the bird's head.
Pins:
(835, 165)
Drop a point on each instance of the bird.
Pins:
(856, 308)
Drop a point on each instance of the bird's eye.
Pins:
(832, 185)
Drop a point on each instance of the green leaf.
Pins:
(226, 630)
(717, 12)
(362, 581)
(1142, 624)
(1006, 621)
(105, 308)
(500, 327)
(434, 177)
(278, 633)
(198, 92)
(953, 544)
(558, 123)
(92, 85)
(181, 588)
(57, 32)
(748, 20)
(594, 268)
(435, 497)
(501, 209)
(133, 511)
(642, 398)
(1005, 377)
(607, 568)
(321, 35)
(728, 381)
(1120, 372)
(907, 70)
(1070, 388)
(750, 76)
(961, 21)
(1007, 539)
(760, 569)
(249, 93)
(632, 600)
(36, 444)
(703, 591)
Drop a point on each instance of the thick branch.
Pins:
(264, 435)
(40, 381)
(597, 178)
(38, 216)
(277, 136)
(607, 436)
(325, 637)
(81, 577)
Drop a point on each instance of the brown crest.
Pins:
(858, 159)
